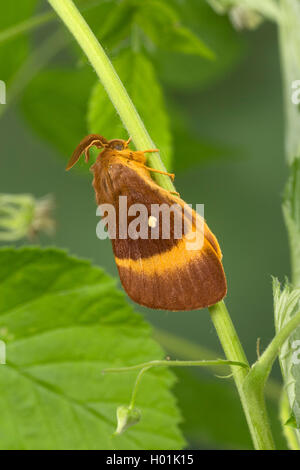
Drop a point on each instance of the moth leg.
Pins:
(150, 151)
(175, 193)
(171, 175)
(153, 170)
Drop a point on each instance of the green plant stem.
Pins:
(263, 366)
(186, 349)
(252, 398)
(253, 403)
(259, 373)
(166, 363)
(25, 26)
(112, 84)
(136, 386)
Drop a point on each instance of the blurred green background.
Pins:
(228, 155)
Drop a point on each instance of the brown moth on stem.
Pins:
(157, 271)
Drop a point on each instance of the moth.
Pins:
(159, 273)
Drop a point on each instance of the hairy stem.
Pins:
(26, 26)
(252, 398)
(167, 363)
(259, 373)
(186, 349)
(264, 364)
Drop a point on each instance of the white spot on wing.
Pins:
(152, 221)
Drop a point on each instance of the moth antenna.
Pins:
(84, 146)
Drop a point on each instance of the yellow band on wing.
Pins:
(172, 260)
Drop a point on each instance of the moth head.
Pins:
(118, 144)
(84, 146)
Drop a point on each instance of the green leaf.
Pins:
(138, 76)
(118, 23)
(291, 422)
(110, 20)
(187, 71)
(63, 322)
(13, 52)
(162, 24)
(55, 105)
(286, 304)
